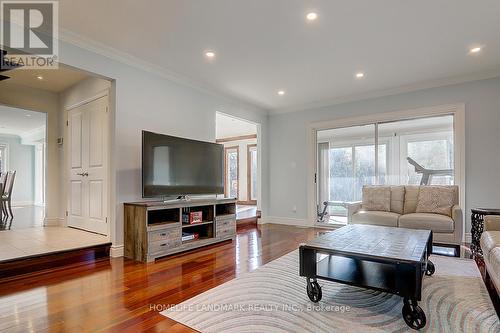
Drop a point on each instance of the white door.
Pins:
(88, 173)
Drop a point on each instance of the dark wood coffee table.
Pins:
(381, 258)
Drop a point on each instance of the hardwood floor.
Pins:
(126, 296)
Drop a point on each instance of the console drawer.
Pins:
(160, 246)
(164, 234)
(226, 232)
(226, 223)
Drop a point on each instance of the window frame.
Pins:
(227, 150)
(4, 147)
(250, 148)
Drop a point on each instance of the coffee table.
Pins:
(389, 259)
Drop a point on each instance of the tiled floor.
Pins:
(19, 243)
(25, 217)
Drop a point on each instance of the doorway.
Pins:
(393, 149)
(241, 162)
(22, 167)
(40, 221)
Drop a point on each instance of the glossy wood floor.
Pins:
(126, 296)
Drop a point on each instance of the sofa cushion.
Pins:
(489, 240)
(377, 198)
(387, 219)
(411, 199)
(436, 200)
(435, 222)
(397, 199)
(494, 269)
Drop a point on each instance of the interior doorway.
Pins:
(241, 162)
(23, 135)
(31, 98)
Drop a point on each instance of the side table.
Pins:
(477, 227)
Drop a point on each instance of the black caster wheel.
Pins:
(413, 315)
(430, 268)
(314, 291)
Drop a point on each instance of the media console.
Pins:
(154, 229)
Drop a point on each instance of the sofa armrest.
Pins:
(458, 219)
(352, 207)
(492, 223)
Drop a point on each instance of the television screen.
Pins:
(178, 166)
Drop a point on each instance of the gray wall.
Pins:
(22, 160)
(147, 100)
(287, 142)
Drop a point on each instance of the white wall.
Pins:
(21, 158)
(243, 165)
(288, 153)
(148, 101)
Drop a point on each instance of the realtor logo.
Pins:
(30, 33)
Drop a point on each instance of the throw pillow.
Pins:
(436, 199)
(377, 198)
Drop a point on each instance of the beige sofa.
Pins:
(446, 230)
(490, 244)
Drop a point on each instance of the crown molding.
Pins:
(130, 60)
(484, 75)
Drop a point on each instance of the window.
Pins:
(252, 172)
(231, 166)
(349, 158)
(3, 158)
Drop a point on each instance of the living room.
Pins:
(308, 75)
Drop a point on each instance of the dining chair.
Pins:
(6, 198)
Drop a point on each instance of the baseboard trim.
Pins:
(22, 203)
(117, 251)
(53, 222)
(285, 220)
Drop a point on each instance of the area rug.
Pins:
(273, 299)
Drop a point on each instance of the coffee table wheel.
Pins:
(430, 268)
(314, 290)
(413, 314)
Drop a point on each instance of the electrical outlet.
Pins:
(294, 209)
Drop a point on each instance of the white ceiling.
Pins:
(54, 80)
(228, 127)
(263, 46)
(19, 122)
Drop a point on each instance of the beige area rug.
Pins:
(273, 299)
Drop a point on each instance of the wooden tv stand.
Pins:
(153, 229)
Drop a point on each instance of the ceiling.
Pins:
(229, 127)
(18, 121)
(54, 80)
(264, 46)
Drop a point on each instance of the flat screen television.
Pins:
(173, 166)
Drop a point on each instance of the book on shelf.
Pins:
(189, 236)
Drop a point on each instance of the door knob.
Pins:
(84, 174)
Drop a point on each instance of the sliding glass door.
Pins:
(421, 151)
(417, 151)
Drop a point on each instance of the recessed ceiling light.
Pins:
(39, 77)
(311, 16)
(27, 115)
(476, 49)
(281, 92)
(210, 54)
(360, 75)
